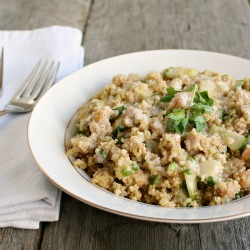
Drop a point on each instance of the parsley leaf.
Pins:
(199, 108)
(210, 181)
(178, 119)
(176, 125)
(202, 97)
(177, 114)
(120, 109)
(118, 129)
(199, 121)
(170, 94)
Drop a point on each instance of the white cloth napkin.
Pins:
(26, 195)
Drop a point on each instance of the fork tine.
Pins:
(50, 79)
(27, 81)
(35, 79)
(42, 82)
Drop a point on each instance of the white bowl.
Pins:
(51, 115)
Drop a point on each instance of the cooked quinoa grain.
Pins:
(178, 138)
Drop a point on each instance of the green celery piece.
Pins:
(239, 84)
(103, 153)
(134, 168)
(172, 166)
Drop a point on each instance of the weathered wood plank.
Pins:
(26, 14)
(226, 235)
(84, 227)
(117, 27)
(12, 238)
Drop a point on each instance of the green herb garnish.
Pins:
(118, 129)
(103, 153)
(170, 94)
(203, 98)
(78, 131)
(210, 181)
(134, 168)
(154, 180)
(199, 122)
(120, 109)
(178, 119)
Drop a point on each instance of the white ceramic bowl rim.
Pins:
(50, 117)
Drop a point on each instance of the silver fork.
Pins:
(37, 83)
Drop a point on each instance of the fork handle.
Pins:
(3, 112)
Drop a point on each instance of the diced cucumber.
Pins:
(223, 87)
(178, 71)
(211, 168)
(191, 182)
(191, 72)
(232, 139)
(174, 72)
(143, 91)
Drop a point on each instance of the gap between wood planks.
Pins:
(85, 27)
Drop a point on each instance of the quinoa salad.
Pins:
(176, 138)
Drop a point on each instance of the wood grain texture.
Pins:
(84, 227)
(117, 27)
(121, 26)
(12, 238)
(226, 235)
(26, 14)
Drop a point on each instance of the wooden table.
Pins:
(113, 27)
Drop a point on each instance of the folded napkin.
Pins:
(26, 195)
